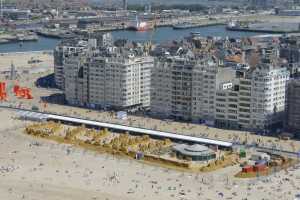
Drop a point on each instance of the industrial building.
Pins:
(289, 12)
(262, 4)
(15, 14)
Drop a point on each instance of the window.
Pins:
(220, 116)
(221, 100)
(232, 117)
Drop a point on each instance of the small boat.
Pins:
(196, 34)
(236, 26)
(232, 25)
(4, 41)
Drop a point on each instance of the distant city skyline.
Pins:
(170, 1)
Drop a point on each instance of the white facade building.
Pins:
(256, 101)
(252, 99)
(61, 53)
(183, 88)
(116, 82)
(120, 82)
(268, 95)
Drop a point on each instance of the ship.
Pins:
(138, 25)
(237, 26)
(184, 25)
(55, 33)
(232, 25)
(4, 41)
(27, 37)
(195, 34)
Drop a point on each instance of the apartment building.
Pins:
(69, 47)
(269, 85)
(209, 84)
(119, 81)
(183, 88)
(62, 52)
(256, 100)
(293, 108)
(226, 100)
(226, 113)
(202, 89)
(75, 77)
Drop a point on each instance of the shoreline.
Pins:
(28, 52)
(261, 30)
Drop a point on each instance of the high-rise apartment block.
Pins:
(184, 88)
(214, 83)
(203, 90)
(100, 75)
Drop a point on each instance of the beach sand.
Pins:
(20, 60)
(34, 168)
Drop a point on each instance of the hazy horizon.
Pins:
(169, 2)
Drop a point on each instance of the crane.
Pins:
(149, 45)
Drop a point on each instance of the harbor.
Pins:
(55, 33)
(186, 25)
(160, 34)
(12, 37)
(264, 27)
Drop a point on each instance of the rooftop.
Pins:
(193, 150)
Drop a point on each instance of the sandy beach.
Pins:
(33, 168)
(20, 60)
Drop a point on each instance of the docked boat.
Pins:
(4, 41)
(138, 25)
(195, 34)
(237, 26)
(184, 25)
(232, 25)
(54, 33)
(27, 37)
